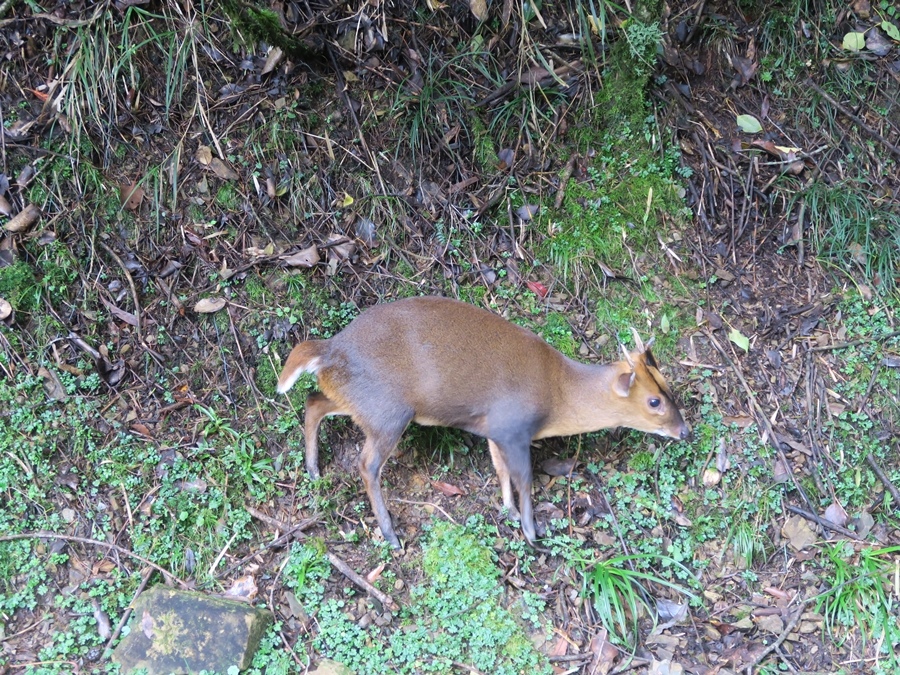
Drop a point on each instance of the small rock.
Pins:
(771, 623)
(186, 632)
(329, 667)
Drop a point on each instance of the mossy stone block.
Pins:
(184, 632)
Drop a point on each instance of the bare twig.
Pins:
(431, 504)
(884, 479)
(781, 638)
(341, 566)
(289, 533)
(42, 534)
(854, 343)
(821, 522)
(858, 120)
(761, 417)
(345, 569)
(145, 577)
(135, 300)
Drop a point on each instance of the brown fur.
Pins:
(442, 362)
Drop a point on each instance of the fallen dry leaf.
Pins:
(120, 314)
(5, 207)
(23, 219)
(243, 588)
(537, 288)
(273, 58)
(447, 489)
(558, 467)
(711, 477)
(5, 309)
(131, 196)
(375, 574)
(479, 9)
(339, 248)
(209, 305)
(798, 532)
(104, 629)
(308, 257)
(52, 385)
(836, 514)
(204, 155)
(222, 170)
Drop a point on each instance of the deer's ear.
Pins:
(622, 384)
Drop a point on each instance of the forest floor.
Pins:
(180, 209)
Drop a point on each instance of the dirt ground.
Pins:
(742, 234)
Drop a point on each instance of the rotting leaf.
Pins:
(738, 338)
(209, 305)
(878, 43)
(745, 70)
(749, 124)
(5, 206)
(780, 472)
(853, 41)
(506, 158)
(798, 532)
(891, 30)
(308, 257)
(24, 219)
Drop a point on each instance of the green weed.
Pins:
(456, 616)
(860, 596)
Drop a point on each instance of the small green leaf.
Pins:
(738, 338)
(892, 31)
(664, 323)
(853, 41)
(749, 124)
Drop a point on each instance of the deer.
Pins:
(437, 361)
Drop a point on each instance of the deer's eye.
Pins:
(654, 402)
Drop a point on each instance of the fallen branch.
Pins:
(345, 569)
(341, 566)
(288, 534)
